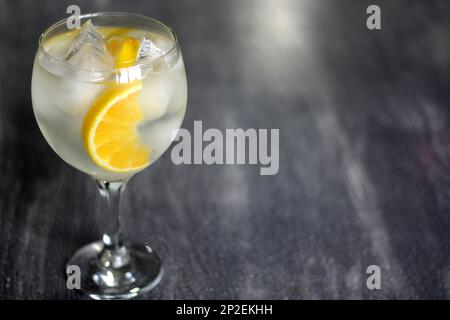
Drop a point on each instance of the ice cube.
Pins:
(88, 50)
(156, 96)
(90, 59)
(74, 97)
(87, 35)
(148, 49)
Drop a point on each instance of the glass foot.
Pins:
(123, 273)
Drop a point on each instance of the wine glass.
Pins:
(109, 98)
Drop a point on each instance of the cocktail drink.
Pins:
(109, 98)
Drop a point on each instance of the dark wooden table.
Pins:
(364, 177)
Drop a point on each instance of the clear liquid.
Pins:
(61, 101)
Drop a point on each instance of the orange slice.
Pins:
(124, 49)
(109, 130)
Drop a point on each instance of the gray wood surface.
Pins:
(364, 155)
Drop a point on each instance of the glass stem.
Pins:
(114, 254)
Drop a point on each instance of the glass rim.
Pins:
(143, 62)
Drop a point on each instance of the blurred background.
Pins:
(364, 155)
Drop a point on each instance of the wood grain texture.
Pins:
(364, 155)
